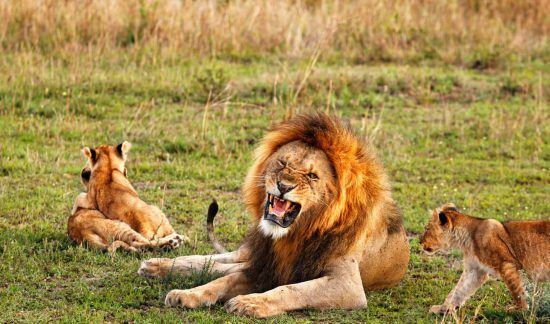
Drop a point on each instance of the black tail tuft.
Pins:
(212, 211)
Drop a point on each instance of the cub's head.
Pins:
(437, 236)
(299, 182)
(111, 157)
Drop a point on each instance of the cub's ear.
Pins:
(449, 206)
(123, 148)
(90, 153)
(444, 220)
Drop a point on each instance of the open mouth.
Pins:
(281, 212)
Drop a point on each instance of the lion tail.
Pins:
(212, 211)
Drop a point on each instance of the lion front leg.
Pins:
(218, 263)
(471, 279)
(341, 288)
(220, 289)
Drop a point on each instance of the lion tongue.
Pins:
(280, 206)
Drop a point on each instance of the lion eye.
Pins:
(312, 176)
(281, 163)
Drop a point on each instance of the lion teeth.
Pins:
(283, 205)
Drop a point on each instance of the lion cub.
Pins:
(110, 192)
(90, 225)
(490, 248)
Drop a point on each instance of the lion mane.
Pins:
(341, 226)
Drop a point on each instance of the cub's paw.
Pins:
(178, 239)
(440, 309)
(174, 240)
(155, 267)
(190, 298)
(251, 305)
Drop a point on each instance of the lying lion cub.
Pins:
(490, 248)
(110, 192)
(90, 225)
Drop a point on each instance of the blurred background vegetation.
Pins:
(473, 33)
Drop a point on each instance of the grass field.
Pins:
(465, 121)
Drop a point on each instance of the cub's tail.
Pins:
(212, 211)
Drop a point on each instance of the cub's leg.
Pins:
(471, 279)
(509, 273)
(128, 239)
(121, 244)
(92, 226)
(94, 241)
(156, 227)
(123, 232)
(219, 263)
(98, 232)
(165, 228)
(220, 289)
(340, 288)
(82, 227)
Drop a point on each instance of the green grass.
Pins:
(478, 139)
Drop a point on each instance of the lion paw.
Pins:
(250, 305)
(174, 240)
(154, 267)
(189, 298)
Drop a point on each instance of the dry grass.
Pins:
(480, 33)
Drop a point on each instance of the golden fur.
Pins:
(347, 237)
(490, 248)
(89, 225)
(112, 195)
(355, 205)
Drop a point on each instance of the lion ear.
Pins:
(90, 153)
(444, 219)
(123, 148)
(449, 206)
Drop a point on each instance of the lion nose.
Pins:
(283, 188)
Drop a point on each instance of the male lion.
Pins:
(325, 228)
(490, 248)
(110, 192)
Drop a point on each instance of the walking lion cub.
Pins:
(490, 248)
(111, 210)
